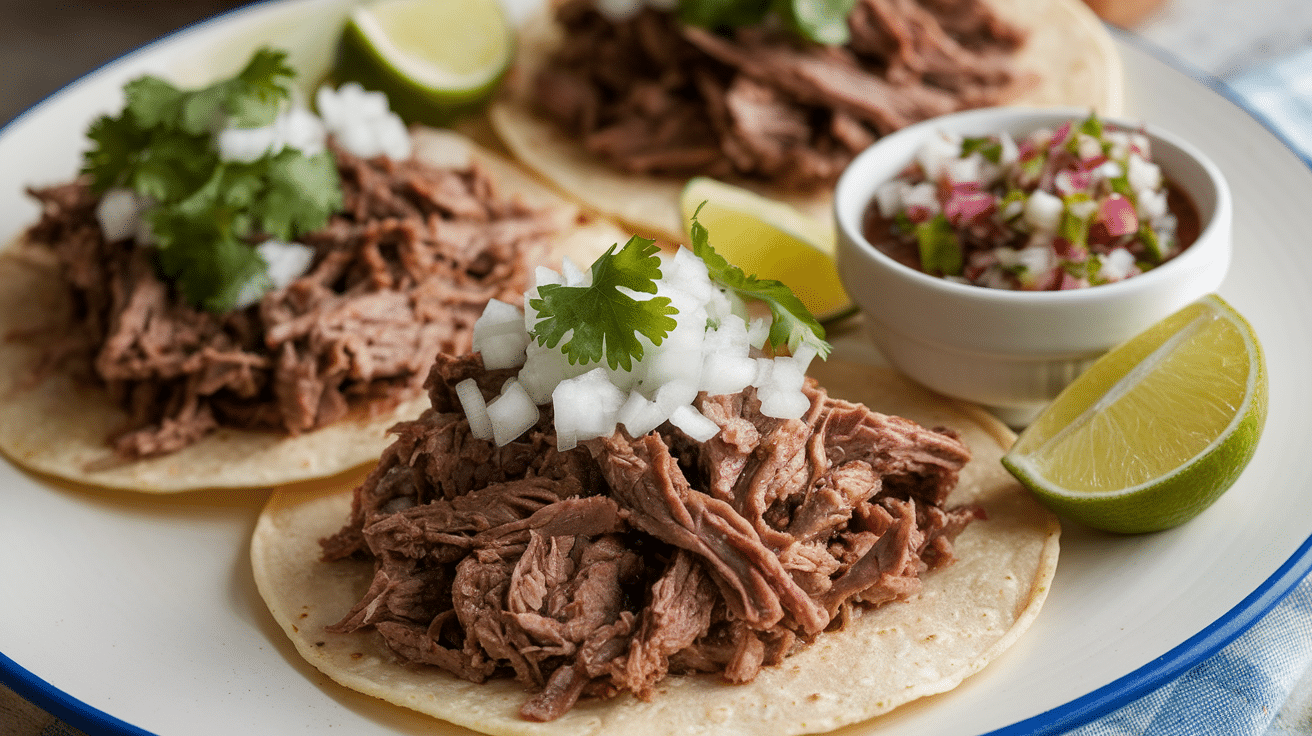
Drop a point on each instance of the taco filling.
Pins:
(596, 551)
(651, 94)
(395, 267)
(632, 512)
(400, 274)
(604, 568)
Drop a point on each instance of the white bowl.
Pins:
(1013, 351)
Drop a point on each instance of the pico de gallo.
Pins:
(1080, 205)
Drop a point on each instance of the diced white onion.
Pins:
(925, 195)
(1142, 174)
(362, 122)
(673, 394)
(1116, 265)
(937, 153)
(544, 368)
(640, 415)
(471, 400)
(890, 195)
(783, 404)
(786, 375)
(499, 335)
(295, 127)
(694, 423)
(246, 145)
(511, 414)
(587, 406)
(286, 261)
(1043, 210)
(1010, 153)
(727, 367)
(758, 332)
(1037, 260)
(709, 350)
(617, 11)
(764, 367)
(574, 276)
(301, 129)
(1119, 141)
(1152, 204)
(1088, 147)
(691, 275)
(968, 169)
(803, 356)
(1083, 208)
(1109, 170)
(119, 214)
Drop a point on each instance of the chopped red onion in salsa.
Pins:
(1078, 206)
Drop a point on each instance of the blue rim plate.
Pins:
(127, 614)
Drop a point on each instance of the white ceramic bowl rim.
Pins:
(855, 190)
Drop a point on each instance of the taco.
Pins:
(495, 604)
(110, 380)
(621, 113)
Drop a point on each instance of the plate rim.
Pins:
(1077, 712)
(1244, 615)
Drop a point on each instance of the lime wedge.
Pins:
(770, 240)
(435, 59)
(1155, 430)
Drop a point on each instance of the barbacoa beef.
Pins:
(650, 95)
(604, 568)
(398, 276)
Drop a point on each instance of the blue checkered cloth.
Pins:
(1281, 93)
(1255, 686)
(1261, 683)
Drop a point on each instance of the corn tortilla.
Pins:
(1069, 56)
(967, 614)
(59, 427)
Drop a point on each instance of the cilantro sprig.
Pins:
(821, 21)
(605, 320)
(205, 211)
(791, 324)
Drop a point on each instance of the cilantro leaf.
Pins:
(792, 324)
(714, 14)
(605, 320)
(254, 97)
(300, 193)
(151, 101)
(207, 211)
(113, 151)
(820, 21)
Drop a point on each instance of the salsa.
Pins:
(1069, 208)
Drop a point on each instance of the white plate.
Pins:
(123, 612)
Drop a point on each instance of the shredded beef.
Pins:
(607, 567)
(398, 276)
(649, 95)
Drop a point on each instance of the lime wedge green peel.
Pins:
(435, 59)
(770, 240)
(1156, 430)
